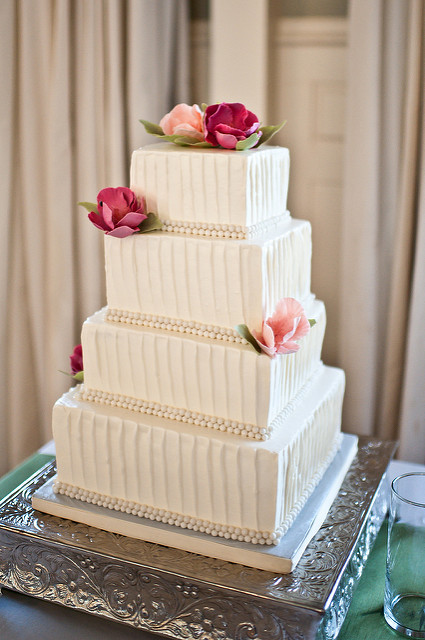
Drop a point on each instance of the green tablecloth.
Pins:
(18, 475)
(365, 618)
(364, 621)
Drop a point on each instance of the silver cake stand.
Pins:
(183, 595)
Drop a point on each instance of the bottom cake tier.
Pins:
(181, 474)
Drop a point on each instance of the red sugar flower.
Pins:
(119, 213)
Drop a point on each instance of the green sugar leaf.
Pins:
(182, 141)
(151, 223)
(78, 377)
(248, 143)
(152, 128)
(312, 322)
(243, 331)
(269, 131)
(171, 138)
(186, 141)
(90, 206)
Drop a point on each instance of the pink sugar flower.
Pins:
(183, 120)
(280, 332)
(119, 212)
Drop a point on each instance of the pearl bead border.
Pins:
(129, 507)
(179, 326)
(224, 231)
(173, 413)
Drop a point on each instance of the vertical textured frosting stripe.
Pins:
(217, 286)
(109, 480)
(184, 382)
(225, 199)
(79, 448)
(153, 187)
(235, 391)
(235, 484)
(172, 353)
(128, 453)
(218, 495)
(174, 276)
(95, 447)
(147, 466)
(204, 470)
(280, 486)
(196, 382)
(71, 427)
(118, 474)
(165, 288)
(189, 250)
(226, 486)
(187, 480)
(204, 382)
(187, 188)
(89, 472)
(100, 457)
(204, 261)
(184, 263)
(68, 461)
(227, 384)
(159, 478)
(249, 472)
(238, 189)
(172, 488)
(135, 256)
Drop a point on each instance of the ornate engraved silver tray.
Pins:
(182, 595)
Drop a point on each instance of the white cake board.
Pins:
(281, 558)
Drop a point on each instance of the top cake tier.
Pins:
(212, 187)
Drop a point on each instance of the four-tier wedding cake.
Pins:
(205, 404)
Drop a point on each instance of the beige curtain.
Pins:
(382, 342)
(76, 76)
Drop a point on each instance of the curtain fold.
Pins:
(77, 76)
(412, 414)
(359, 330)
(382, 304)
(402, 303)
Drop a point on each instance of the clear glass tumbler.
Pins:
(404, 604)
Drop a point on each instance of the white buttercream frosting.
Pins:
(192, 417)
(188, 373)
(216, 480)
(211, 282)
(212, 186)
